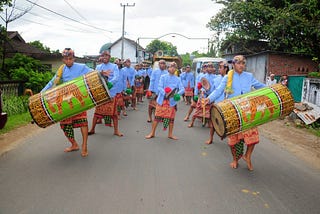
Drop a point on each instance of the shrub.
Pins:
(14, 105)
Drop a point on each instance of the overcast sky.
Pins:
(96, 22)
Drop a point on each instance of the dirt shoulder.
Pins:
(12, 139)
(300, 142)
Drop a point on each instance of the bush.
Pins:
(14, 105)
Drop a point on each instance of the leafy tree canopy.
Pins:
(41, 46)
(287, 25)
(166, 47)
(3, 3)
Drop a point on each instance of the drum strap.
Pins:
(58, 75)
(228, 90)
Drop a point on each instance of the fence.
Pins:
(12, 88)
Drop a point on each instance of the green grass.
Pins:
(16, 121)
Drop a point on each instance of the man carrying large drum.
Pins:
(238, 82)
(67, 72)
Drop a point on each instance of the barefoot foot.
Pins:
(84, 153)
(208, 142)
(71, 149)
(173, 137)
(234, 164)
(149, 136)
(190, 125)
(186, 119)
(118, 134)
(249, 164)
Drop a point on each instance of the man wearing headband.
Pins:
(170, 89)
(235, 83)
(129, 73)
(67, 72)
(108, 111)
(153, 87)
(196, 91)
(187, 79)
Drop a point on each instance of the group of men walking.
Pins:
(164, 89)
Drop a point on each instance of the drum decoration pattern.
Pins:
(68, 99)
(249, 110)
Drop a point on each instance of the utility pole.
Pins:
(123, 19)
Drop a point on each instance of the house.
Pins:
(51, 61)
(263, 63)
(131, 50)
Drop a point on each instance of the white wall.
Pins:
(129, 50)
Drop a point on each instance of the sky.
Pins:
(87, 25)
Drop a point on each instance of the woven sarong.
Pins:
(250, 137)
(107, 109)
(76, 121)
(188, 92)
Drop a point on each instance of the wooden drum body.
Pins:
(249, 110)
(68, 99)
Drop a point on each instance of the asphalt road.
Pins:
(134, 175)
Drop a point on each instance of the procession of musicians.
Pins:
(161, 89)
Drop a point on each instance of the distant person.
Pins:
(130, 74)
(108, 110)
(69, 71)
(153, 87)
(271, 80)
(284, 80)
(187, 79)
(196, 91)
(166, 104)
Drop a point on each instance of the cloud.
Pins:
(94, 19)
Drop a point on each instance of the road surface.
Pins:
(134, 175)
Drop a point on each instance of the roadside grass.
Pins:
(16, 121)
(16, 108)
(315, 128)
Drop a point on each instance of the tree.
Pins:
(287, 25)
(166, 47)
(24, 68)
(8, 16)
(41, 46)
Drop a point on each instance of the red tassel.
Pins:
(199, 86)
(167, 90)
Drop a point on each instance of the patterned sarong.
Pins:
(76, 121)
(120, 100)
(188, 92)
(139, 90)
(107, 109)
(165, 113)
(67, 125)
(199, 111)
(237, 141)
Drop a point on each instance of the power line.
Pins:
(67, 17)
(75, 10)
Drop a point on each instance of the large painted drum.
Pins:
(68, 99)
(249, 110)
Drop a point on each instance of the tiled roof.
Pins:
(16, 44)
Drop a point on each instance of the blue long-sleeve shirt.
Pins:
(217, 82)
(241, 84)
(113, 77)
(130, 74)
(69, 73)
(186, 78)
(155, 78)
(171, 81)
